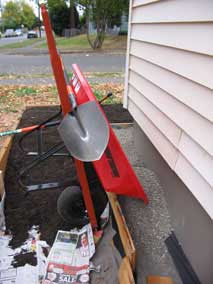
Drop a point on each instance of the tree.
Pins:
(101, 13)
(72, 14)
(59, 15)
(74, 17)
(11, 15)
(28, 16)
(15, 14)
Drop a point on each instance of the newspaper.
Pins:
(27, 274)
(8, 276)
(21, 275)
(41, 259)
(2, 217)
(68, 260)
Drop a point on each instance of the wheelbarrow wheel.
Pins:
(71, 205)
(71, 208)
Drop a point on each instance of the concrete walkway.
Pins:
(149, 225)
(51, 81)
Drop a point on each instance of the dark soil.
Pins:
(39, 207)
(22, 259)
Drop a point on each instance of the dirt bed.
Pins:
(39, 207)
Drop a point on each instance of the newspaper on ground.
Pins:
(2, 201)
(104, 218)
(9, 274)
(69, 258)
(68, 261)
(2, 217)
(41, 259)
(25, 274)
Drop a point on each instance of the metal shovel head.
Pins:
(85, 132)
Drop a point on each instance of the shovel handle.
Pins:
(71, 96)
(73, 101)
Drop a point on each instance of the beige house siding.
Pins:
(169, 86)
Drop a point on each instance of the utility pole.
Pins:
(0, 10)
(1, 15)
(39, 18)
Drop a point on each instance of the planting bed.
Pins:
(39, 207)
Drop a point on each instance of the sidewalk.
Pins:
(49, 80)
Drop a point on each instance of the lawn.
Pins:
(49, 75)
(20, 44)
(15, 99)
(77, 43)
(81, 43)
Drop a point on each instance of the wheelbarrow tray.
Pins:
(113, 169)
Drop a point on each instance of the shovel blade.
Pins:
(85, 132)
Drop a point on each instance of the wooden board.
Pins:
(122, 125)
(125, 236)
(2, 191)
(159, 280)
(125, 274)
(4, 153)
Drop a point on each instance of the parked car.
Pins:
(32, 34)
(18, 32)
(9, 33)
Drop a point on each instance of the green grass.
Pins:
(103, 74)
(3, 99)
(25, 91)
(20, 44)
(8, 105)
(22, 76)
(100, 95)
(74, 42)
(49, 75)
(29, 91)
(11, 109)
(81, 43)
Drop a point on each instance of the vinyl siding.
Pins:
(169, 86)
(163, 11)
(167, 150)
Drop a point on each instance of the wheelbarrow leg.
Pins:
(86, 193)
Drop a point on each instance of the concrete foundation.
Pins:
(192, 225)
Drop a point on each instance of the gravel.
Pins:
(149, 224)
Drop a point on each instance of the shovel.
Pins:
(84, 130)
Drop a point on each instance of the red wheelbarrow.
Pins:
(88, 135)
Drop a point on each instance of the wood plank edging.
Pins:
(4, 153)
(124, 233)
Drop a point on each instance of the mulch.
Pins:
(39, 207)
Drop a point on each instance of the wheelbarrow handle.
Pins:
(105, 98)
(29, 128)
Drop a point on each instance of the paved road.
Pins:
(40, 64)
(8, 40)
